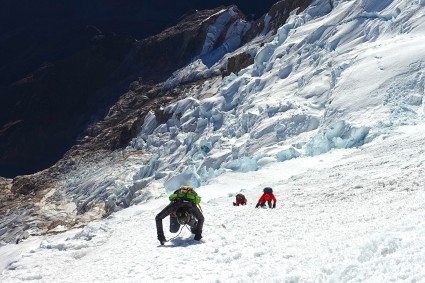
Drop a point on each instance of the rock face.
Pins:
(237, 63)
(276, 17)
(43, 115)
(164, 53)
(34, 32)
(99, 98)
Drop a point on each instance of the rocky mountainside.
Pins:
(33, 32)
(44, 113)
(102, 96)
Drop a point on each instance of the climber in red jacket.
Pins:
(240, 200)
(267, 196)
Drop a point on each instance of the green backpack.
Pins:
(185, 192)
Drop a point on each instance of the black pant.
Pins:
(174, 225)
(269, 202)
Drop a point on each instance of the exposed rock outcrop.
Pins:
(164, 53)
(237, 63)
(276, 17)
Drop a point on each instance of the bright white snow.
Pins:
(351, 215)
(331, 115)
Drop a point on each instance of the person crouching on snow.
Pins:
(267, 196)
(183, 201)
(240, 200)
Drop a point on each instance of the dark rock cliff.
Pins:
(44, 114)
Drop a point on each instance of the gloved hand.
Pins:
(257, 205)
(198, 237)
(234, 204)
(274, 205)
(161, 239)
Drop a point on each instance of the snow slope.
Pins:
(331, 115)
(351, 215)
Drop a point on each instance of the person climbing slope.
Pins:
(183, 210)
(240, 200)
(267, 196)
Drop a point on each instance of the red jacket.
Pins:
(240, 201)
(267, 197)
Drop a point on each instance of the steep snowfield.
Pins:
(331, 115)
(351, 215)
